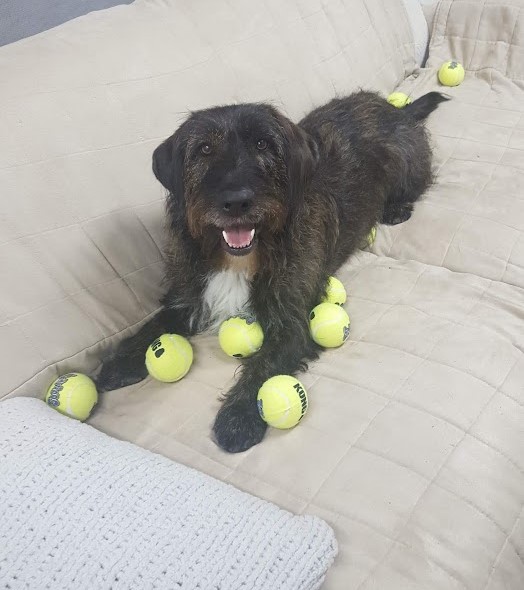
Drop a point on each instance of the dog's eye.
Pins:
(205, 149)
(261, 144)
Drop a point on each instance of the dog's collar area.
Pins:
(238, 240)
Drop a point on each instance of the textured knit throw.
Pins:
(80, 510)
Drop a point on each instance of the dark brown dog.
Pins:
(261, 213)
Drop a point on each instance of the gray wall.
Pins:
(23, 18)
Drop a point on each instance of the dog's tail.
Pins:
(426, 104)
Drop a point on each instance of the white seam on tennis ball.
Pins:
(246, 337)
(68, 399)
(285, 415)
(249, 339)
(182, 350)
(322, 324)
(284, 396)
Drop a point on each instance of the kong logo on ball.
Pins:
(156, 347)
(53, 397)
(303, 397)
(73, 394)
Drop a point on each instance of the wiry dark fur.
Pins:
(314, 193)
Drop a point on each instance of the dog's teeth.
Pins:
(235, 241)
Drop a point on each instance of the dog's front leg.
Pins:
(287, 346)
(126, 365)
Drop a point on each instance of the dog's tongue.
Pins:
(238, 237)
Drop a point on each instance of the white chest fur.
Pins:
(226, 294)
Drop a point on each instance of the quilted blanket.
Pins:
(81, 510)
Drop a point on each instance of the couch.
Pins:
(413, 446)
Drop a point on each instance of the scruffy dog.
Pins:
(261, 212)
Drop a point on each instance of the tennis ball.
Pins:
(240, 336)
(372, 236)
(368, 241)
(282, 401)
(335, 292)
(451, 73)
(169, 358)
(329, 325)
(399, 99)
(72, 394)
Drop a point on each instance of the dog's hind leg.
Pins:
(415, 179)
(412, 161)
(397, 211)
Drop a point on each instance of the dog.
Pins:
(261, 211)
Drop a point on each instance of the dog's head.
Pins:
(235, 173)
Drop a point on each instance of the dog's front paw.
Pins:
(120, 372)
(238, 427)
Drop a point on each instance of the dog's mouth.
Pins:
(238, 240)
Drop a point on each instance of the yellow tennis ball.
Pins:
(282, 401)
(451, 73)
(369, 239)
(399, 99)
(72, 394)
(240, 337)
(169, 358)
(335, 292)
(329, 325)
(372, 236)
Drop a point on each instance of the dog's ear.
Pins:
(301, 156)
(162, 162)
(168, 164)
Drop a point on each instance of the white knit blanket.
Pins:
(80, 510)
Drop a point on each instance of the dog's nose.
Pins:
(237, 202)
